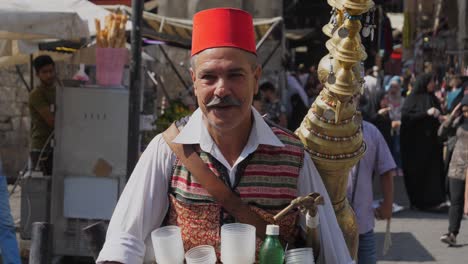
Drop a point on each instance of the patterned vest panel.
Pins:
(266, 181)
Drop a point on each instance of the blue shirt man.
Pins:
(377, 160)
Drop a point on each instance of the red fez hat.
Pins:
(223, 27)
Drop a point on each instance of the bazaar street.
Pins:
(415, 236)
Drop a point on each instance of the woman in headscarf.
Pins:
(421, 151)
(450, 139)
(395, 103)
(381, 119)
(456, 125)
(395, 100)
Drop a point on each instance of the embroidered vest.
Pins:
(266, 181)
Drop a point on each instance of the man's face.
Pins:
(384, 102)
(454, 83)
(47, 74)
(225, 73)
(269, 95)
(312, 69)
(394, 88)
(431, 86)
(465, 111)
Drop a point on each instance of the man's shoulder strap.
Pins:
(182, 122)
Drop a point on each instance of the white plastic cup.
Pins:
(167, 245)
(300, 256)
(237, 244)
(204, 254)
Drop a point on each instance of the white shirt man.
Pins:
(225, 76)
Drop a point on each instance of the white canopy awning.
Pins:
(26, 23)
(27, 20)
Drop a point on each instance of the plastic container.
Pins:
(237, 244)
(300, 256)
(201, 255)
(110, 63)
(167, 245)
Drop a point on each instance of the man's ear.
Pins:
(257, 76)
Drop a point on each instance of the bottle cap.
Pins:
(272, 230)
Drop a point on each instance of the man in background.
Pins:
(273, 107)
(41, 108)
(377, 160)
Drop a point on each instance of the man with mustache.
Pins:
(265, 167)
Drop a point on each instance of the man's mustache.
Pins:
(223, 101)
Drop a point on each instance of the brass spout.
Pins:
(306, 204)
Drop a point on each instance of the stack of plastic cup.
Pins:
(237, 244)
(300, 256)
(201, 255)
(168, 246)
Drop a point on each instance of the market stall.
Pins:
(89, 138)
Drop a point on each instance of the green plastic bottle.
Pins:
(271, 251)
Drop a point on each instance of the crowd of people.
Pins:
(303, 88)
(423, 119)
(409, 114)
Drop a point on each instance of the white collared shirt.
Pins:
(193, 133)
(144, 202)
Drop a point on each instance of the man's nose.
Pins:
(222, 88)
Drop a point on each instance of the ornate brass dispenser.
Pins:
(331, 130)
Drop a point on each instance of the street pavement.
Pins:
(415, 234)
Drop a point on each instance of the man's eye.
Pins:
(208, 77)
(235, 75)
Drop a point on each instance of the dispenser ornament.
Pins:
(343, 32)
(365, 31)
(331, 129)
